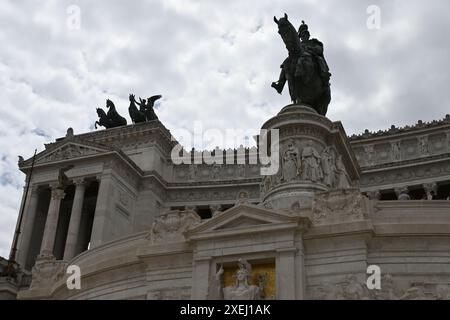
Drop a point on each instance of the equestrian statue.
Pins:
(305, 69)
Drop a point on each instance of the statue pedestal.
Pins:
(315, 156)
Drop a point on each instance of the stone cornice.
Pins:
(201, 184)
(406, 163)
(218, 184)
(101, 139)
(132, 130)
(417, 129)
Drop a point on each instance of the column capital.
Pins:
(58, 194)
(374, 195)
(432, 186)
(34, 190)
(54, 185)
(430, 189)
(400, 190)
(403, 193)
(80, 182)
(102, 176)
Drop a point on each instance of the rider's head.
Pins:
(305, 36)
(303, 32)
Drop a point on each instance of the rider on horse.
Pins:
(305, 69)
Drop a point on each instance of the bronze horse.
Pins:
(103, 120)
(111, 119)
(115, 117)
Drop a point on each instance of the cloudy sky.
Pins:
(213, 62)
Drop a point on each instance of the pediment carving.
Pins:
(68, 151)
(244, 217)
(242, 222)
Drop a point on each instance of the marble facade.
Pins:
(140, 227)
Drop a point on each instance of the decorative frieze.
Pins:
(211, 194)
(170, 227)
(204, 172)
(338, 206)
(354, 288)
(307, 164)
(403, 175)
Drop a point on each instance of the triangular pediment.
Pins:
(70, 150)
(242, 222)
(243, 217)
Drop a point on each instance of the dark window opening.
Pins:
(180, 208)
(87, 217)
(204, 212)
(227, 206)
(63, 222)
(443, 191)
(38, 228)
(388, 195)
(417, 193)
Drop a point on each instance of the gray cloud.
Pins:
(212, 61)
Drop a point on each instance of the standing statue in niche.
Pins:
(291, 163)
(305, 68)
(266, 184)
(423, 146)
(396, 151)
(311, 159)
(192, 172)
(329, 166)
(342, 177)
(242, 290)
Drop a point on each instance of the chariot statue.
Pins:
(145, 111)
(110, 119)
(113, 119)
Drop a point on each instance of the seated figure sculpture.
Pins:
(242, 290)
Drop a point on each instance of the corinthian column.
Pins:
(48, 239)
(75, 219)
